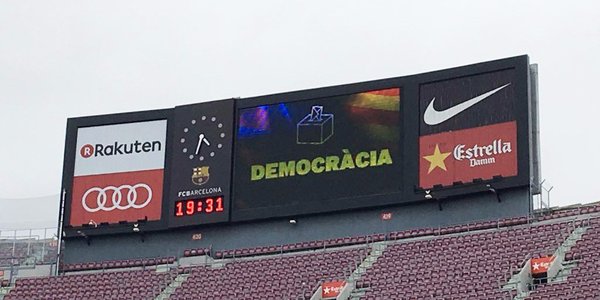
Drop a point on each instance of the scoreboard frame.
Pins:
(406, 191)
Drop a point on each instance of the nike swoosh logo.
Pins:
(434, 117)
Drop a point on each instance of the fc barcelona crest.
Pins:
(200, 175)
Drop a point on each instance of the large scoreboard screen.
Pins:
(429, 136)
(317, 155)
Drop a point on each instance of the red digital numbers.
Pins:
(189, 207)
(199, 206)
(219, 204)
(178, 209)
(209, 205)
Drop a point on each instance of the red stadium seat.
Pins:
(467, 261)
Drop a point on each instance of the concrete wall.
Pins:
(515, 202)
(37, 271)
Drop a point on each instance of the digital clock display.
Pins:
(201, 206)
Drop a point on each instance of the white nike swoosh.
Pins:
(434, 117)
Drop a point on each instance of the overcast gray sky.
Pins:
(62, 59)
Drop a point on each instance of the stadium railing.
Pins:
(27, 247)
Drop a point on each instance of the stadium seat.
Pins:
(464, 261)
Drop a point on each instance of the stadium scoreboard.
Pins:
(357, 146)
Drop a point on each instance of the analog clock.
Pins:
(201, 138)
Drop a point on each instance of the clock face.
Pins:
(202, 138)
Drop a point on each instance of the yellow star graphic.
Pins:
(436, 159)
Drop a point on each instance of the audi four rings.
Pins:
(116, 198)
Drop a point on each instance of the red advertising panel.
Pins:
(118, 174)
(128, 196)
(468, 154)
(331, 289)
(541, 265)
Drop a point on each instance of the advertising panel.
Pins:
(332, 289)
(467, 102)
(302, 156)
(540, 266)
(467, 154)
(468, 129)
(118, 173)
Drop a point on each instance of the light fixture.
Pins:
(428, 195)
(85, 236)
(293, 221)
(492, 190)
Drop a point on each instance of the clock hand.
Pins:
(200, 138)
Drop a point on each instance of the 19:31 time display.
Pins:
(199, 206)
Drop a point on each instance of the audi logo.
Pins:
(122, 198)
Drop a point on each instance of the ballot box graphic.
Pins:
(315, 128)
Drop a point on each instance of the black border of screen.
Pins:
(408, 191)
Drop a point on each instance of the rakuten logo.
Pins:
(117, 148)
